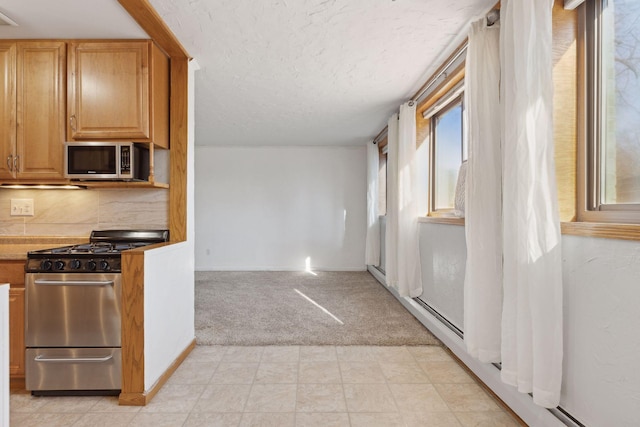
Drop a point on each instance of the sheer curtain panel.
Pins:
(372, 250)
(532, 284)
(409, 273)
(483, 196)
(402, 262)
(391, 231)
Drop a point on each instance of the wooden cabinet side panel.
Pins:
(12, 271)
(109, 90)
(40, 109)
(7, 108)
(16, 334)
(159, 97)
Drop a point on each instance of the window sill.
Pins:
(602, 230)
(585, 229)
(450, 220)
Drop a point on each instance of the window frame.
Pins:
(383, 149)
(450, 100)
(448, 78)
(590, 142)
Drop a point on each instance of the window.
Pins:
(382, 178)
(446, 146)
(447, 152)
(613, 113)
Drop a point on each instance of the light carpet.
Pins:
(301, 308)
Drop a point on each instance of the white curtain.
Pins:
(483, 200)
(409, 272)
(402, 244)
(391, 230)
(372, 250)
(532, 286)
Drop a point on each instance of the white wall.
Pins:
(601, 381)
(269, 208)
(169, 309)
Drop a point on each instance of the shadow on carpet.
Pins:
(299, 308)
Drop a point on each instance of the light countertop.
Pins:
(16, 247)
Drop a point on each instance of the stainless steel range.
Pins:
(73, 307)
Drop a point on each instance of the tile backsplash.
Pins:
(77, 212)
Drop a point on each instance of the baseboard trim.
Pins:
(132, 399)
(262, 268)
(17, 383)
(141, 399)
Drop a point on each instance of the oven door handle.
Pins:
(41, 358)
(74, 282)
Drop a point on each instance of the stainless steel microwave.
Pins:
(92, 160)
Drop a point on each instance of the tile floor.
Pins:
(290, 386)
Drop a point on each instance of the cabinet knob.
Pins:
(16, 165)
(10, 162)
(72, 122)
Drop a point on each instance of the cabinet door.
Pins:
(16, 335)
(40, 100)
(108, 94)
(7, 109)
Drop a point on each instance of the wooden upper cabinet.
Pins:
(118, 90)
(7, 109)
(40, 104)
(32, 110)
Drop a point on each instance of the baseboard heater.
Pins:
(559, 412)
(440, 317)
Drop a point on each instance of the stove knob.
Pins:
(46, 265)
(91, 265)
(74, 264)
(59, 265)
(104, 265)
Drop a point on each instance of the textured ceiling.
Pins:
(309, 72)
(281, 72)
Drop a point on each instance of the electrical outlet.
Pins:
(22, 207)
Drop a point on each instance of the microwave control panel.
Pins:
(125, 160)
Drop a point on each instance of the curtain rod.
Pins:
(492, 17)
(443, 70)
(381, 135)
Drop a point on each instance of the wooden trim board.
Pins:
(141, 399)
(170, 370)
(178, 125)
(132, 326)
(133, 392)
(151, 22)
